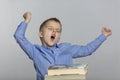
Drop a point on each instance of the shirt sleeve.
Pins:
(81, 51)
(19, 36)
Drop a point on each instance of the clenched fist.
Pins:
(27, 17)
(107, 32)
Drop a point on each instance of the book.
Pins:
(66, 77)
(67, 72)
(80, 69)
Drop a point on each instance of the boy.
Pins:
(51, 53)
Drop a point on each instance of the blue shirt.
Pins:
(62, 53)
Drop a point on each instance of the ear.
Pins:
(40, 34)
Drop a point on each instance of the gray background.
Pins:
(82, 22)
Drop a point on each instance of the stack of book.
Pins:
(67, 72)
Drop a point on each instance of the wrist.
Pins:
(105, 35)
(26, 21)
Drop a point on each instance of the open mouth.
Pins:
(52, 37)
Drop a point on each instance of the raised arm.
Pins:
(20, 35)
(85, 50)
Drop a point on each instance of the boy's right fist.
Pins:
(27, 17)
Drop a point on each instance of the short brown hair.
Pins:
(50, 19)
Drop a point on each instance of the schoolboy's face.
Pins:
(50, 34)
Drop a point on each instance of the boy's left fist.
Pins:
(107, 32)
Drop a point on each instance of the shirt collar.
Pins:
(53, 47)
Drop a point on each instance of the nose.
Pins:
(54, 30)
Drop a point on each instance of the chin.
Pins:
(51, 45)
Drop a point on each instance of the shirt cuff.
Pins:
(24, 23)
(102, 37)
